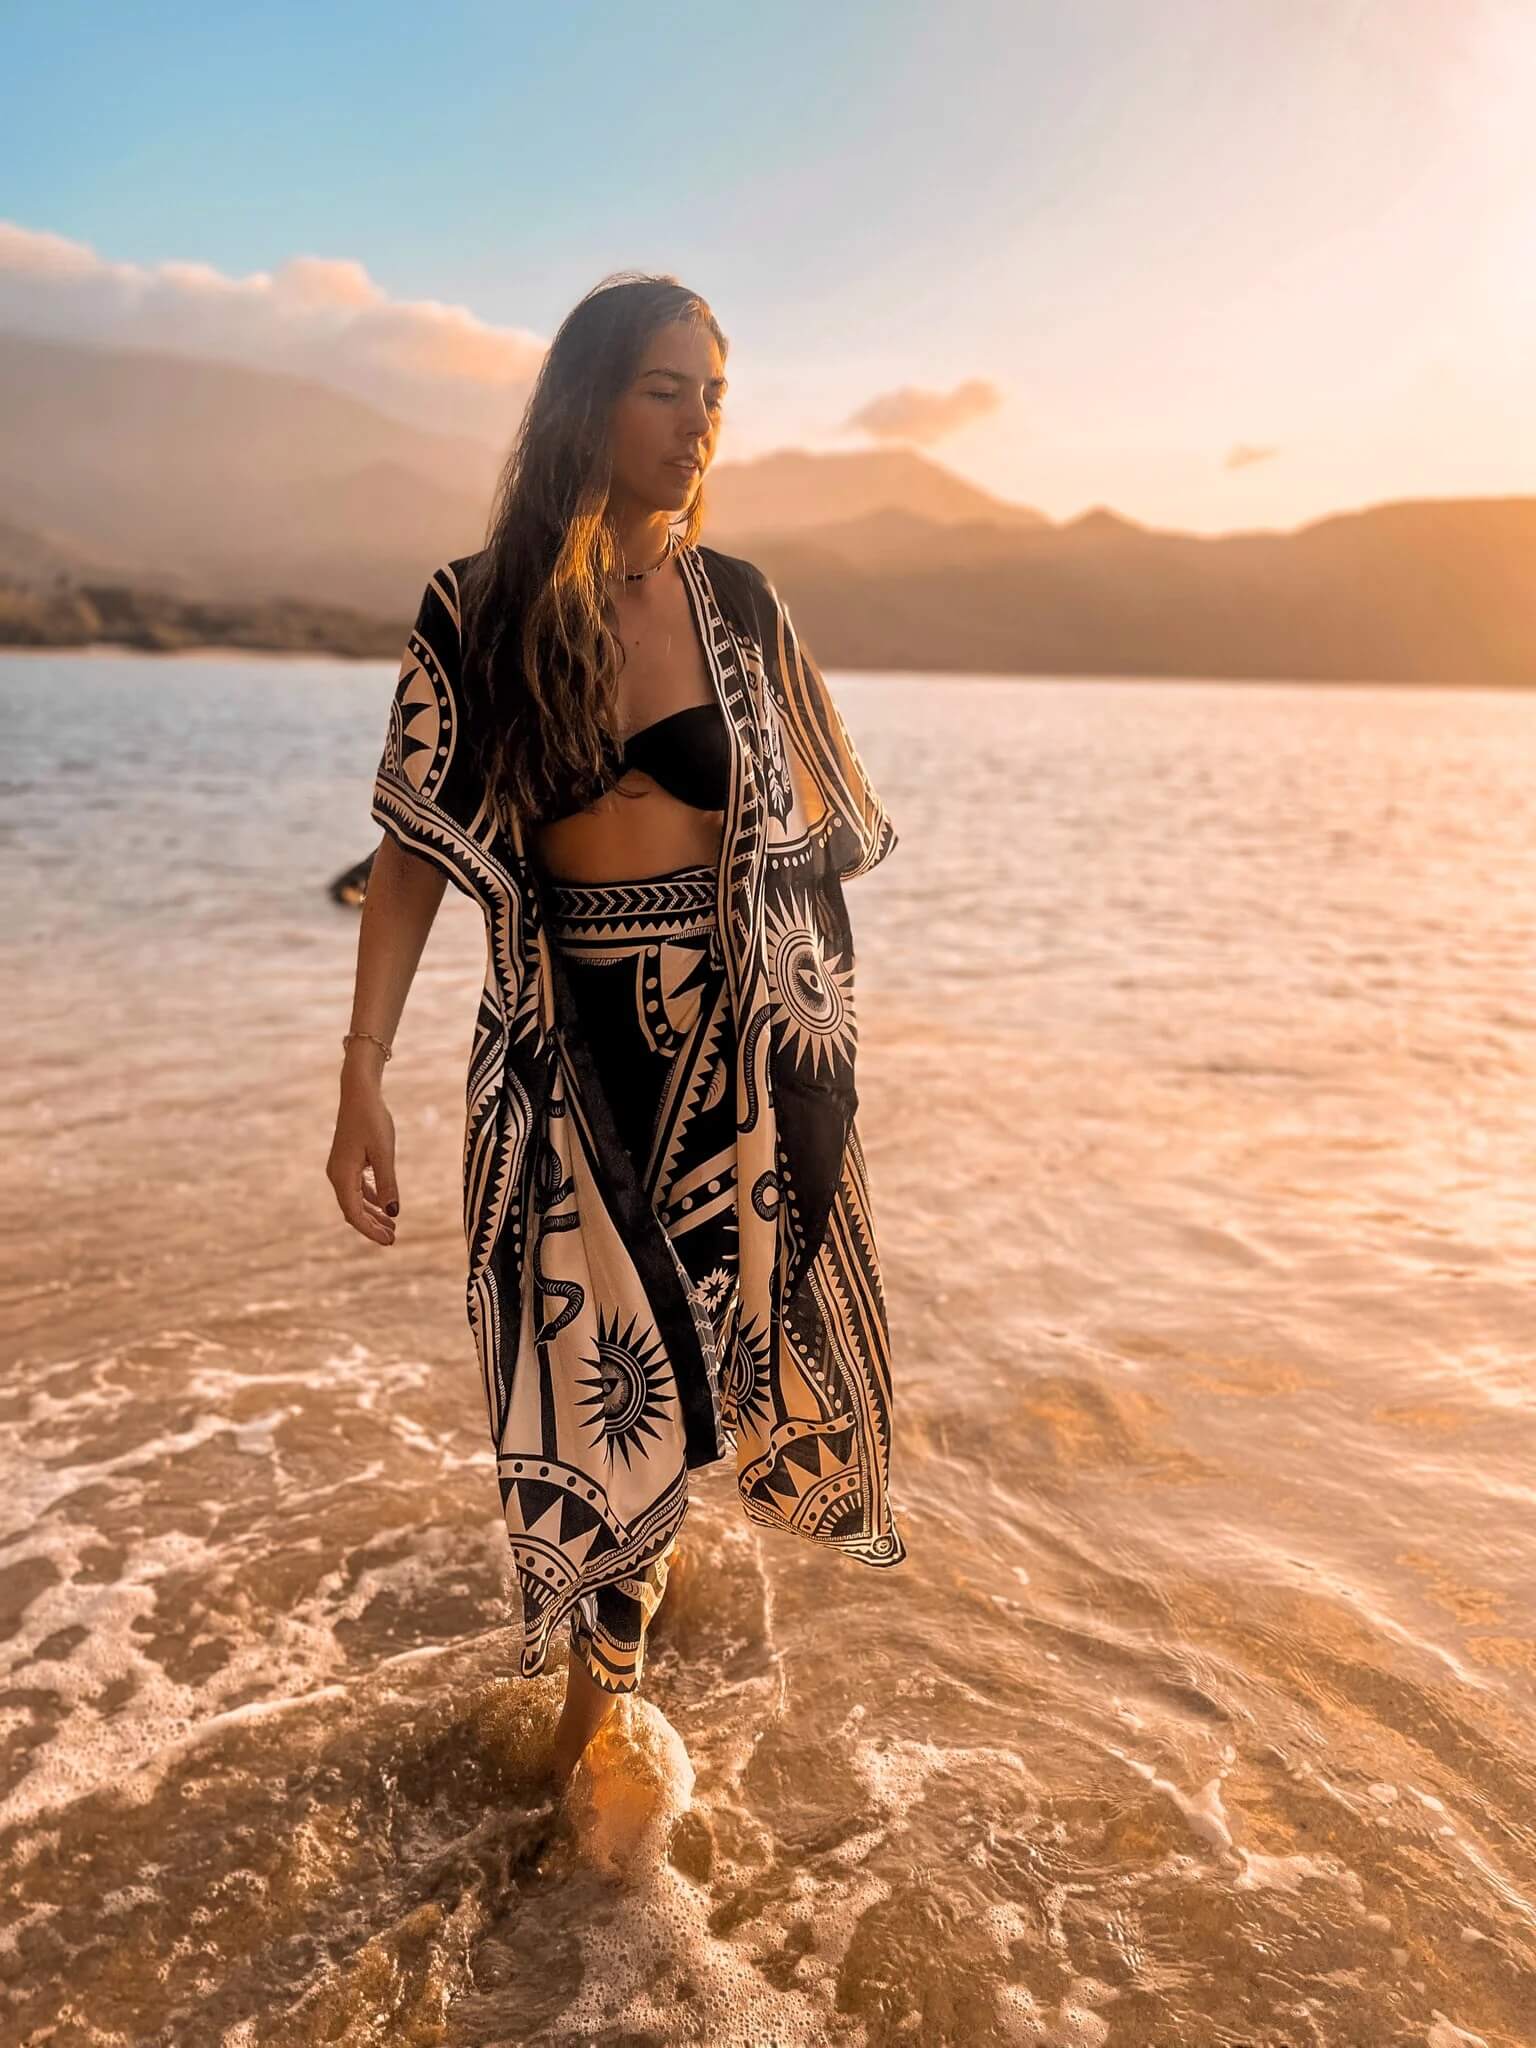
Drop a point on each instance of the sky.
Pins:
(1216, 264)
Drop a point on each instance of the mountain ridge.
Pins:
(173, 497)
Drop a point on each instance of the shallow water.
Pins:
(1197, 1080)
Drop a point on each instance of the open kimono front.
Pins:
(607, 1373)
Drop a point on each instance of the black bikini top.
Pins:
(688, 752)
(691, 757)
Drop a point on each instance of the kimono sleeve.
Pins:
(429, 792)
(862, 831)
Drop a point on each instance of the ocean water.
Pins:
(1198, 1089)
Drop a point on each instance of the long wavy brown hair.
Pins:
(541, 658)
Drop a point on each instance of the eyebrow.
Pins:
(682, 376)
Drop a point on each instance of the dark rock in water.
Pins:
(352, 885)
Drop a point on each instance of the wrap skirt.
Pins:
(644, 965)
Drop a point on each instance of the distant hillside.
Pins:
(39, 558)
(793, 491)
(1435, 592)
(167, 502)
(93, 614)
(1441, 590)
(212, 481)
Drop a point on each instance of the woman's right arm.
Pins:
(401, 902)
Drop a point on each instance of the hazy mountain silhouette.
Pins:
(1442, 590)
(798, 491)
(209, 485)
(224, 482)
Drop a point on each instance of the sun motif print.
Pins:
(811, 990)
(629, 1393)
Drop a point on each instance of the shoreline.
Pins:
(211, 650)
(215, 651)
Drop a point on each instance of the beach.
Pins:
(1198, 1090)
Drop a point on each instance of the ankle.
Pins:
(571, 1744)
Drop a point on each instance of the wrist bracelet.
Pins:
(387, 1050)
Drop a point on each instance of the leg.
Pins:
(608, 1660)
(586, 1708)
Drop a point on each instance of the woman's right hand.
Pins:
(361, 1168)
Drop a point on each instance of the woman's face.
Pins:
(670, 415)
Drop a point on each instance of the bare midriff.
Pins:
(638, 828)
(623, 838)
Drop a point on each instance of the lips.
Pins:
(691, 468)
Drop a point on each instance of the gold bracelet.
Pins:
(388, 1051)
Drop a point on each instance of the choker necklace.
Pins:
(639, 575)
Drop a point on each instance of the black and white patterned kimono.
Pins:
(609, 1371)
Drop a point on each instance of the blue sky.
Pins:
(1164, 231)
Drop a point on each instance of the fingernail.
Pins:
(391, 1208)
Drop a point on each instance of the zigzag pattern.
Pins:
(644, 907)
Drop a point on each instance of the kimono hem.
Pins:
(607, 1372)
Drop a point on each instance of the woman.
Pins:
(613, 739)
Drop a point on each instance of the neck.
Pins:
(639, 535)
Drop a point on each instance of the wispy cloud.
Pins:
(914, 414)
(431, 364)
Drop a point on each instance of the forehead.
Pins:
(686, 351)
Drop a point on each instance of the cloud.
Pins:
(1242, 456)
(431, 364)
(911, 414)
